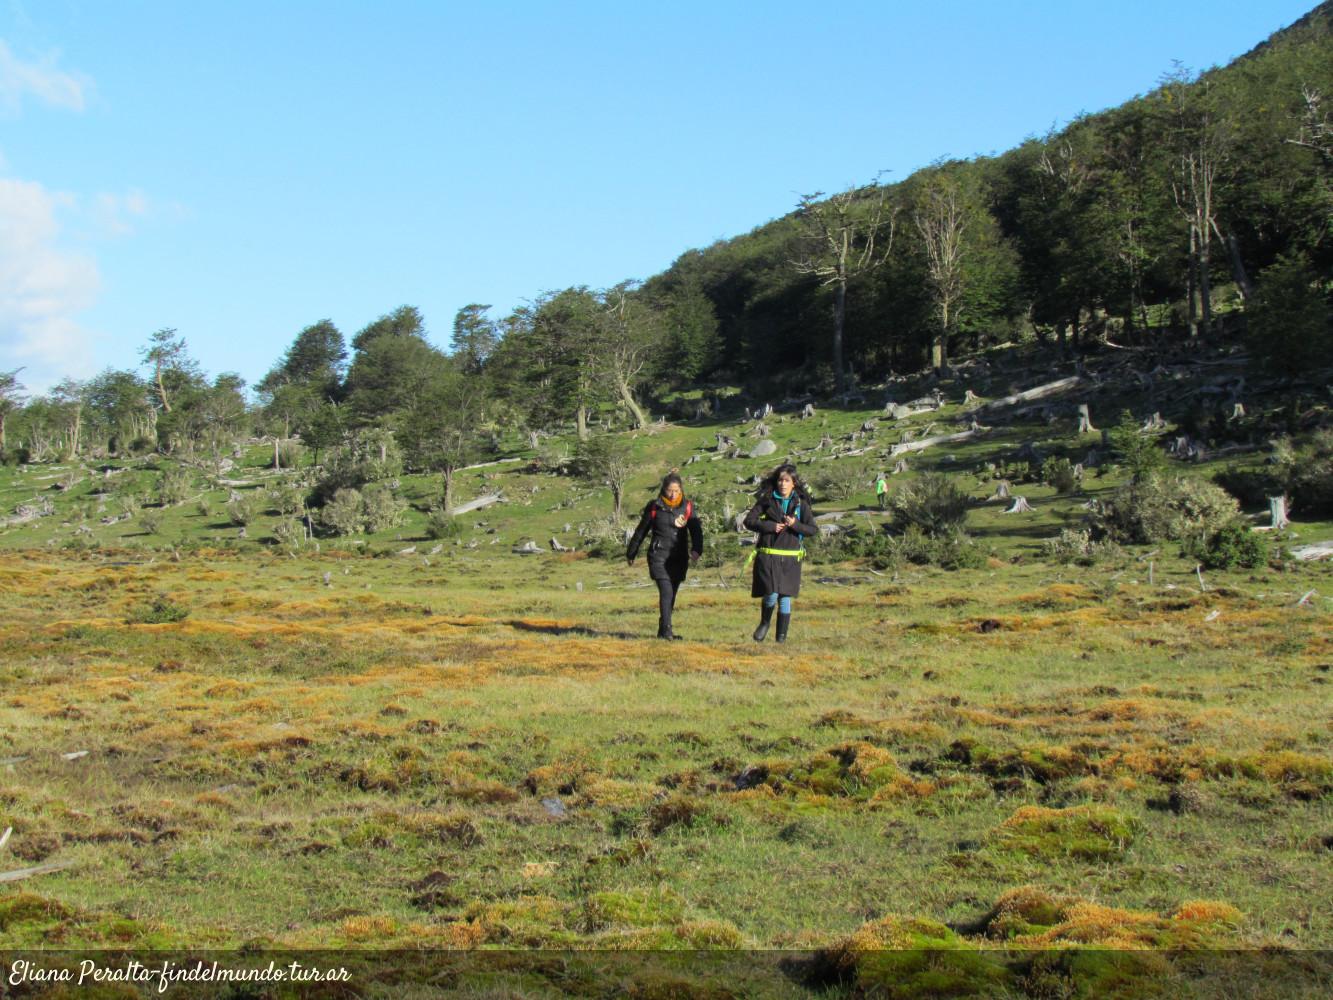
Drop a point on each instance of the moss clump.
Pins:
(689, 935)
(1033, 917)
(858, 771)
(28, 908)
(1088, 833)
(635, 908)
(900, 957)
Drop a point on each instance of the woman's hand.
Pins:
(680, 521)
(789, 520)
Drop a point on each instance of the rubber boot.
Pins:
(664, 631)
(765, 616)
(784, 623)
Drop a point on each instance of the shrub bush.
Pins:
(173, 485)
(286, 500)
(150, 520)
(932, 504)
(949, 549)
(1234, 544)
(1076, 546)
(1137, 450)
(289, 455)
(1059, 473)
(369, 458)
(442, 526)
(242, 508)
(161, 610)
(1165, 508)
(381, 508)
(838, 480)
(342, 515)
(290, 534)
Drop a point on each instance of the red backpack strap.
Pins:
(689, 509)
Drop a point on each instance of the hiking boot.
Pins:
(784, 623)
(765, 616)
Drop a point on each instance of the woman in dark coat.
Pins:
(677, 541)
(784, 518)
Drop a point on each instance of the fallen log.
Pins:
(477, 504)
(1036, 392)
(1309, 553)
(907, 446)
(21, 873)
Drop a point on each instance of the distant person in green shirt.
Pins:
(882, 490)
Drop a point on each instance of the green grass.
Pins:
(474, 748)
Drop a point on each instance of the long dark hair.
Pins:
(671, 477)
(770, 484)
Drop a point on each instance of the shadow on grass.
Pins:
(551, 628)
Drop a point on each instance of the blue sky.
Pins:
(240, 170)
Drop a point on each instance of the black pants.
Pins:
(666, 600)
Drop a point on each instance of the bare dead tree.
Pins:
(624, 348)
(1316, 127)
(846, 234)
(941, 219)
(1199, 157)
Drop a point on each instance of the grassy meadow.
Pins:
(229, 742)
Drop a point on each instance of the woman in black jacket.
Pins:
(784, 518)
(677, 541)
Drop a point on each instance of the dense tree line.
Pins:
(1201, 207)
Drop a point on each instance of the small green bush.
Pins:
(1137, 450)
(161, 610)
(205, 507)
(1073, 545)
(838, 480)
(1234, 544)
(289, 534)
(150, 520)
(442, 526)
(242, 509)
(932, 504)
(287, 500)
(381, 509)
(951, 549)
(343, 514)
(1059, 473)
(1165, 508)
(289, 455)
(173, 485)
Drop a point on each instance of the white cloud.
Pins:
(115, 214)
(43, 288)
(39, 80)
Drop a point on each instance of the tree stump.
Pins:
(1277, 510)
(808, 411)
(900, 467)
(1001, 491)
(1020, 506)
(1085, 420)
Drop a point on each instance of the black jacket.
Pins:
(670, 547)
(779, 574)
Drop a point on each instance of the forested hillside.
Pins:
(1200, 213)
